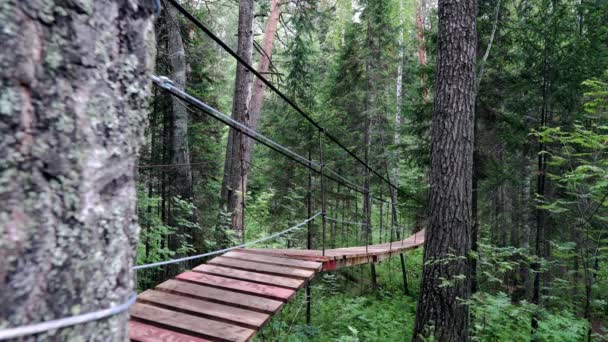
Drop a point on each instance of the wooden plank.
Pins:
(272, 292)
(201, 326)
(219, 312)
(300, 254)
(263, 268)
(250, 276)
(272, 260)
(141, 332)
(221, 296)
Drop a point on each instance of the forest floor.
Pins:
(346, 307)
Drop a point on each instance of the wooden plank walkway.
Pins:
(234, 295)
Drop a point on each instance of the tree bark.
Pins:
(367, 127)
(73, 88)
(422, 58)
(255, 104)
(440, 312)
(180, 153)
(540, 193)
(475, 205)
(233, 165)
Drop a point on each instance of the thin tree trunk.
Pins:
(255, 104)
(540, 192)
(180, 178)
(69, 138)
(440, 310)
(526, 220)
(484, 59)
(422, 57)
(476, 158)
(400, 98)
(233, 163)
(180, 153)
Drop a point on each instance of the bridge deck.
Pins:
(234, 295)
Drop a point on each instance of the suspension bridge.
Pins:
(233, 295)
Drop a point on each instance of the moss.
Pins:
(45, 10)
(85, 5)
(53, 58)
(7, 98)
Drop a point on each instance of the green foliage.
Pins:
(154, 236)
(498, 319)
(344, 309)
(339, 61)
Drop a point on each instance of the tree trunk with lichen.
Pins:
(445, 282)
(73, 87)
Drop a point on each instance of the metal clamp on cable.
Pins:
(162, 81)
(157, 7)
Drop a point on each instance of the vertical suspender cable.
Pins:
(309, 226)
(322, 163)
(242, 140)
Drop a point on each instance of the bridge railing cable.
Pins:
(37, 328)
(221, 251)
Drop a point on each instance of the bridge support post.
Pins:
(406, 289)
(309, 227)
(308, 300)
(373, 274)
(322, 163)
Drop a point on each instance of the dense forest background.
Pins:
(365, 69)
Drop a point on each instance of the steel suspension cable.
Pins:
(270, 85)
(167, 85)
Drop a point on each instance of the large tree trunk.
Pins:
(180, 153)
(233, 164)
(255, 104)
(73, 86)
(440, 311)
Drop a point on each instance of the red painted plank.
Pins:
(273, 260)
(263, 268)
(267, 291)
(222, 296)
(197, 307)
(250, 276)
(141, 332)
(192, 324)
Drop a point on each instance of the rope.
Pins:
(199, 256)
(65, 322)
